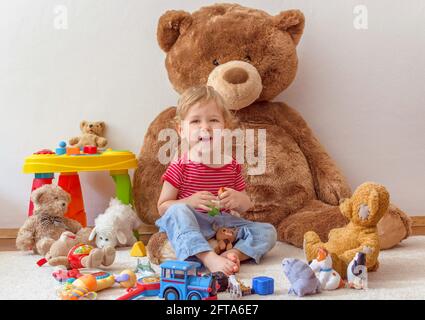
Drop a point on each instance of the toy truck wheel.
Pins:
(194, 296)
(171, 294)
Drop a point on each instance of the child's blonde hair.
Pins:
(203, 93)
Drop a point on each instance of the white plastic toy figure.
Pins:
(357, 272)
(328, 277)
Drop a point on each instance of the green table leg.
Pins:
(122, 186)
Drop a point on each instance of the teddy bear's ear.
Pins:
(37, 196)
(291, 21)
(102, 124)
(170, 26)
(83, 124)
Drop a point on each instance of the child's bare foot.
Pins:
(216, 263)
(232, 256)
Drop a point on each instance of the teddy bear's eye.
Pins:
(56, 198)
(106, 239)
(248, 57)
(216, 63)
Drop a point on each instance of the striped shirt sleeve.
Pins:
(239, 180)
(174, 174)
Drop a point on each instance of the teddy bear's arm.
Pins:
(72, 225)
(369, 244)
(74, 141)
(101, 142)
(329, 183)
(25, 239)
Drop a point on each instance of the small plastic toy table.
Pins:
(117, 162)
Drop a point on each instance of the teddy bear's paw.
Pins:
(43, 245)
(159, 248)
(394, 227)
(24, 243)
(108, 256)
(310, 238)
(94, 259)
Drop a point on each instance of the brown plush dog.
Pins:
(225, 238)
(47, 222)
(250, 57)
(92, 135)
(364, 209)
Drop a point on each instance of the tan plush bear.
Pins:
(225, 238)
(76, 251)
(92, 135)
(250, 57)
(47, 222)
(364, 209)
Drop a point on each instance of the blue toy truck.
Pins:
(180, 280)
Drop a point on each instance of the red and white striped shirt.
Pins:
(190, 177)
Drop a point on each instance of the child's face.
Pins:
(200, 122)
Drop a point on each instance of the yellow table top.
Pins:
(106, 161)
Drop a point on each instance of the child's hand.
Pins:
(234, 200)
(201, 200)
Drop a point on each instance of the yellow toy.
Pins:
(364, 209)
(86, 286)
(138, 250)
(45, 164)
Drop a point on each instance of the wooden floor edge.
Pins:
(144, 230)
(418, 229)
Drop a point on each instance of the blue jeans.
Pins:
(189, 230)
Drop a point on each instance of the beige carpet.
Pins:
(401, 275)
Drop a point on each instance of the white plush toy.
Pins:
(115, 227)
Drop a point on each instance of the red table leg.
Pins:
(70, 182)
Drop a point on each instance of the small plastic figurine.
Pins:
(357, 272)
(144, 269)
(328, 277)
(301, 276)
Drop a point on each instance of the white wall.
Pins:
(362, 91)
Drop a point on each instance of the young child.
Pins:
(192, 182)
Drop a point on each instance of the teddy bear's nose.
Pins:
(236, 75)
(90, 126)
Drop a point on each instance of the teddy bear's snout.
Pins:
(236, 76)
(238, 82)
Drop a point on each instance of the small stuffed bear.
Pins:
(47, 222)
(225, 239)
(92, 135)
(364, 209)
(75, 251)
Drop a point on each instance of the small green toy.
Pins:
(214, 211)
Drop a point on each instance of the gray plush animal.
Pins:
(301, 276)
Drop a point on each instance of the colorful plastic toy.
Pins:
(62, 148)
(72, 151)
(84, 286)
(263, 285)
(180, 280)
(116, 162)
(237, 288)
(142, 289)
(138, 250)
(90, 149)
(328, 277)
(144, 269)
(301, 277)
(357, 272)
(215, 206)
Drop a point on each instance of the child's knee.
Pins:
(268, 234)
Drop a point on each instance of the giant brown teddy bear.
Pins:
(302, 187)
